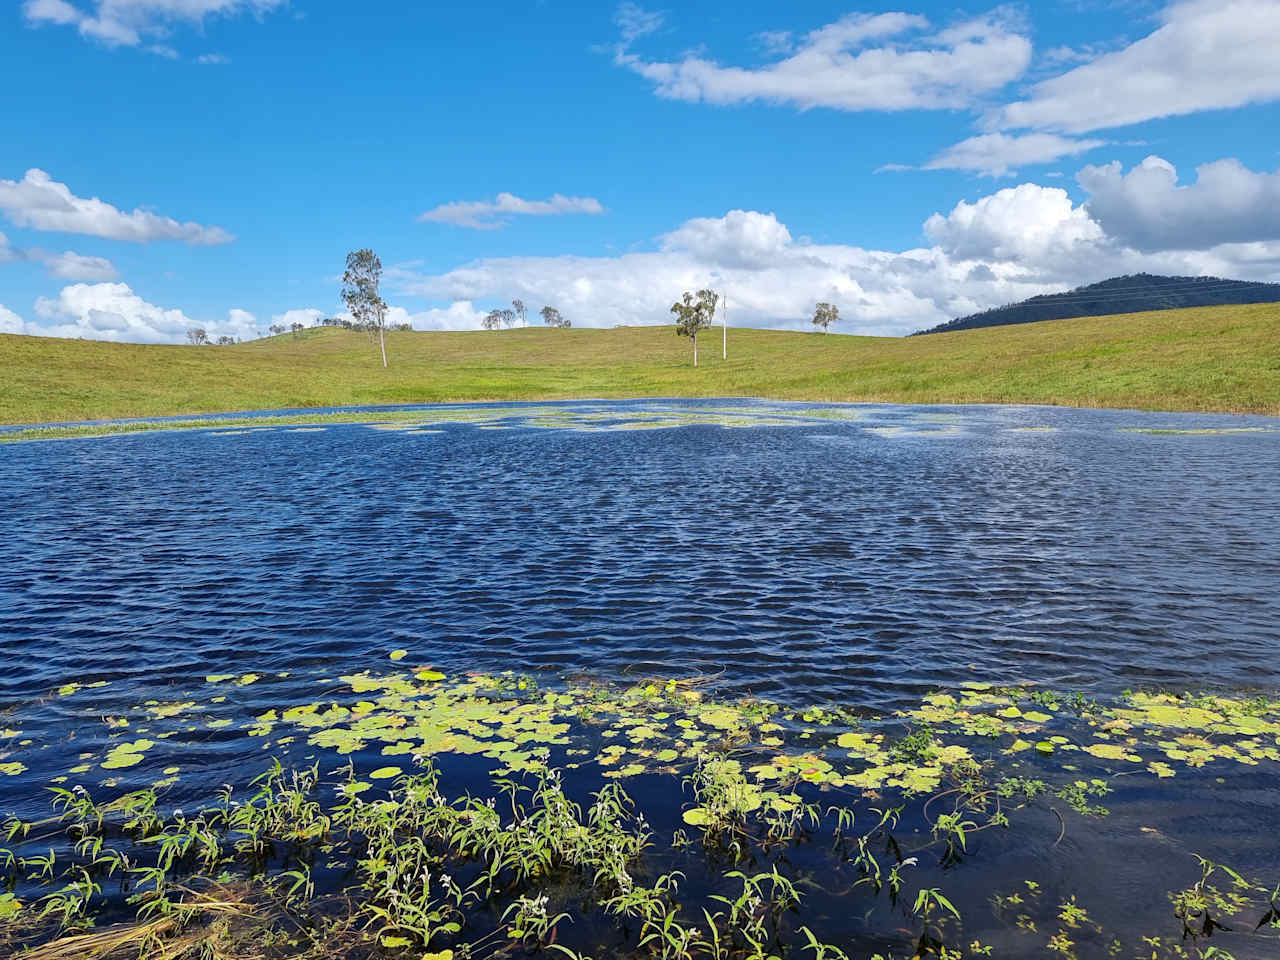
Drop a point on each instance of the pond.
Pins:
(887, 566)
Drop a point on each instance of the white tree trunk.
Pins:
(382, 343)
(695, 350)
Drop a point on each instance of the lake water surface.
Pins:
(864, 556)
(859, 555)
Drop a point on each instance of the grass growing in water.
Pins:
(369, 860)
(306, 867)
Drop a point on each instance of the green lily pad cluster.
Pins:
(413, 714)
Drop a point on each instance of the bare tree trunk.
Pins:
(382, 343)
(695, 349)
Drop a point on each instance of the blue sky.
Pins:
(168, 163)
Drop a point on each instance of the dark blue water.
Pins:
(857, 555)
(862, 559)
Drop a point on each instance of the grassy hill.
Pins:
(1129, 294)
(1208, 359)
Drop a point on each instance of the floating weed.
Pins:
(1197, 432)
(752, 775)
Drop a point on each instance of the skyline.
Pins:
(177, 163)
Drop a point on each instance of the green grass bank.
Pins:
(1223, 359)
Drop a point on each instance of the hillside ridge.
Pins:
(1132, 293)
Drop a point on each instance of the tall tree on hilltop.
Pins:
(360, 293)
(520, 311)
(553, 318)
(694, 313)
(824, 315)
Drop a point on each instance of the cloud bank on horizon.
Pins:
(635, 218)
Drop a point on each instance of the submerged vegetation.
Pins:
(651, 821)
(1204, 359)
(584, 418)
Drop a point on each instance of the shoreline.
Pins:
(548, 415)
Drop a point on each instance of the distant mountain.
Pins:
(1132, 294)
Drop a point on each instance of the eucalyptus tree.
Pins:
(520, 311)
(694, 312)
(508, 317)
(825, 314)
(197, 336)
(553, 318)
(493, 321)
(360, 293)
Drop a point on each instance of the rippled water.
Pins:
(860, 557)
(851, 554)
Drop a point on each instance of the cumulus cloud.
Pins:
(109, 311)
(497, 213)
(10, 322)
(112, 311)
(1009, 245)
(741, 238)
(459, 315)
(305, 316)
(1205, 55)
(999, 154)
(40, 202)
(770, 279)
(125, 23)
(854, 64)
(1023, 223)
(1147, 209)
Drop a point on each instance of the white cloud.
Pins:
(10, 322)
(1012, 244)
(112, 311)
(497, 213)
(124, 23)
(999, 154)
(70, 265)
(1147, 209)
(771, 279)
(214, 59)
(633, 21)
(109, 311)
(775, 42)
(836, 66)
(1065, 56)
(41, 202)
(1020, 223)
(741, 238)
(1205, 55)
(305, 316)
(460, 315)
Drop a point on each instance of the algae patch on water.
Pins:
(517, 725)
